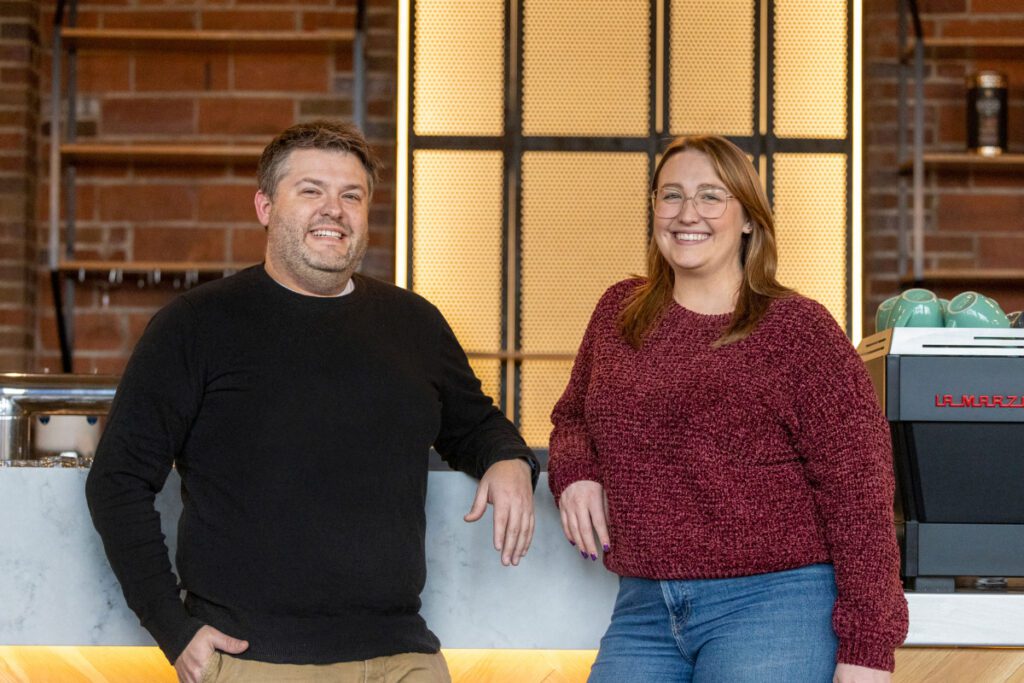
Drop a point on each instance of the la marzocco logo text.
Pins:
(980, 401)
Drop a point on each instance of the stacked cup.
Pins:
(921, 308)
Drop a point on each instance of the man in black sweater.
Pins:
(298, 401)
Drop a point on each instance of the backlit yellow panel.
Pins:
(458, 67)
(810, 213)
(712, 68)
(542, 383)
(456, 246)
(584, 227)
(489, 373)
(585, 67)
(810, 68)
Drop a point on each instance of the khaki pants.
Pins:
(411, 667)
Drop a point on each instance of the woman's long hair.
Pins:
(758, 254)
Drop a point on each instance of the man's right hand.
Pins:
(192, 661)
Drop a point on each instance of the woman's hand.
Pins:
(849, 673)
(584, 509)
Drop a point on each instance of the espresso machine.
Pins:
(954, 399)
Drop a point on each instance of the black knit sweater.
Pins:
(301, 428)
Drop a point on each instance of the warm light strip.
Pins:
(659, 68)
(90, 664)
(856, 210)
(402, 150)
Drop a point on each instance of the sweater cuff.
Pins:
(172, 627)
(568, 473)
(866, 654)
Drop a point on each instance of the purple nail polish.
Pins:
(583, 553)
(572, 543)
(606, 547)
(593, 557)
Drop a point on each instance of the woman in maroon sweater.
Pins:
(720, 437)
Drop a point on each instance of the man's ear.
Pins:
(263, 204)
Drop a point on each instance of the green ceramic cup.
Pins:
(882, 314)
(916, 308)
(971, 309)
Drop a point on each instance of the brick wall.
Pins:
(974, 220)
(134, 211)
(19, 111)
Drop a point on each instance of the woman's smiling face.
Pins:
(692, 244)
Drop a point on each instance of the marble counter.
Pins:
(57, 589)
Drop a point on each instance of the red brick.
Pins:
(943, 6)
(952, 125)
(250, 20)
(171, 71)
(1002, 251)
(15, 317)
(1002, 28)
(340, 18)
(983, 212)
(952, 245)
(248, 245)
(104, 71)
(996, 6)
(191, 173)
(282, 72)
(245, 116)
(95, 331)
(156, 19)
(146, 203)
(227, 203)
(179, 244)
(89, 364)
(146, 299)
(165, 117)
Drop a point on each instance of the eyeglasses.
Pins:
(708, 203)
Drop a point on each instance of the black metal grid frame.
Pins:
(513, 144)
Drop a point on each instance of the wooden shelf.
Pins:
(1009, 276)
(966, 161)
(970, 47)
(161, 153)
(159, 39)
(92, 267)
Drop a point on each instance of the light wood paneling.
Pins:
(132, 664)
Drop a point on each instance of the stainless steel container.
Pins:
(24, 396)
(986, 113)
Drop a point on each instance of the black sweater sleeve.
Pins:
(156, 401)
(474, 433)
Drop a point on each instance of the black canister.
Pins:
(986, 113)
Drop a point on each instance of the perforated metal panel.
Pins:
(810, 68)
(458, 67)
(543, 383)
(489, 373)
(584, 228)
(712, 68)
(585, 67)
(456, 246)
(810, 212)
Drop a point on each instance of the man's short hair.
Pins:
(324, 134)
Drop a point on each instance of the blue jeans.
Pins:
(766, 628)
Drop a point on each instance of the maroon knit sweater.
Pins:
(767, 454)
